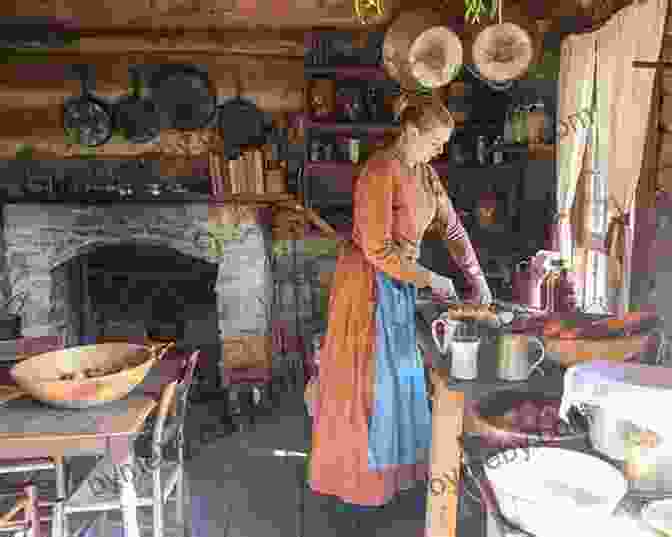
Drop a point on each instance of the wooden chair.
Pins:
(22, 501)
(166, 480)
(28, 467)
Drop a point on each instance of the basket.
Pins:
(503, 52)
(40, 376)
(569, 352)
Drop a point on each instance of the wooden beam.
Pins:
(447, 428)
(652, 65)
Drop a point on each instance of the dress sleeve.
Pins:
(373, 214)
(449, 224)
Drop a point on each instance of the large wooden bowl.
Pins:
(41, 376)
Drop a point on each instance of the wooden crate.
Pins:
(247, 352)
(276, 181)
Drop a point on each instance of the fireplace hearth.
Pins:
(141, 290)
(94, 270)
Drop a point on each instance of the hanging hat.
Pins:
(503, 52)
(417, 51)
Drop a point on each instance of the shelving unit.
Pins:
(328, 184)
(352, 127)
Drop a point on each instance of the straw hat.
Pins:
(418, 51)
(503, 52)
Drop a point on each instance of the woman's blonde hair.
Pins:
(426, 113)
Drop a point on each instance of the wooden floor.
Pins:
(240, 488)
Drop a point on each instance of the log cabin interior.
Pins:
(204, 193)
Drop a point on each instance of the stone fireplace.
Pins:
(87, 267)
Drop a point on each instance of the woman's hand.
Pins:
(481, 292)
(442, 287)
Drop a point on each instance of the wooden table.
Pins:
(31, 429)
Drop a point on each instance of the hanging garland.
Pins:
(475, 9)
(368, 10)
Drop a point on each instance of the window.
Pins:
(596, 297)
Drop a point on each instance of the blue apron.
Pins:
(400, 425)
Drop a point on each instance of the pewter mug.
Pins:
(513, 362)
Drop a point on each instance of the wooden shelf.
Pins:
(345, 72)
(314, 233)
(542, 152)
(252, 198)
(444, 165)
(534, 152)
(330, 167)
(345, 127)
(510, 148)
(347, 170)
(91, 199)
(94, 198)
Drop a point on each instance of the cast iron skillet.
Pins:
(136, 115)
(86, 117)
(240, 123)
(184, 94)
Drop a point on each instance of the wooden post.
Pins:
(447, 426)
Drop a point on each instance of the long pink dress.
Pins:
(393, 207)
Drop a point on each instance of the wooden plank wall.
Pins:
(31, 95)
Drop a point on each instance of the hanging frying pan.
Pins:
(240, 123)
(86, 118)
(183, 94)
(136, 115)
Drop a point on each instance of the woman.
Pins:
(372, 429)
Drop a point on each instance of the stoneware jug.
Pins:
(513, 356)
(464, 357)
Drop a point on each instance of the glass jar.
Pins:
(520, 125)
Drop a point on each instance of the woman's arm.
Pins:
(449, 224)
(373, 197)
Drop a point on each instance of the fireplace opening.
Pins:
(138, 291)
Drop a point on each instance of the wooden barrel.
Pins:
(418, 51)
